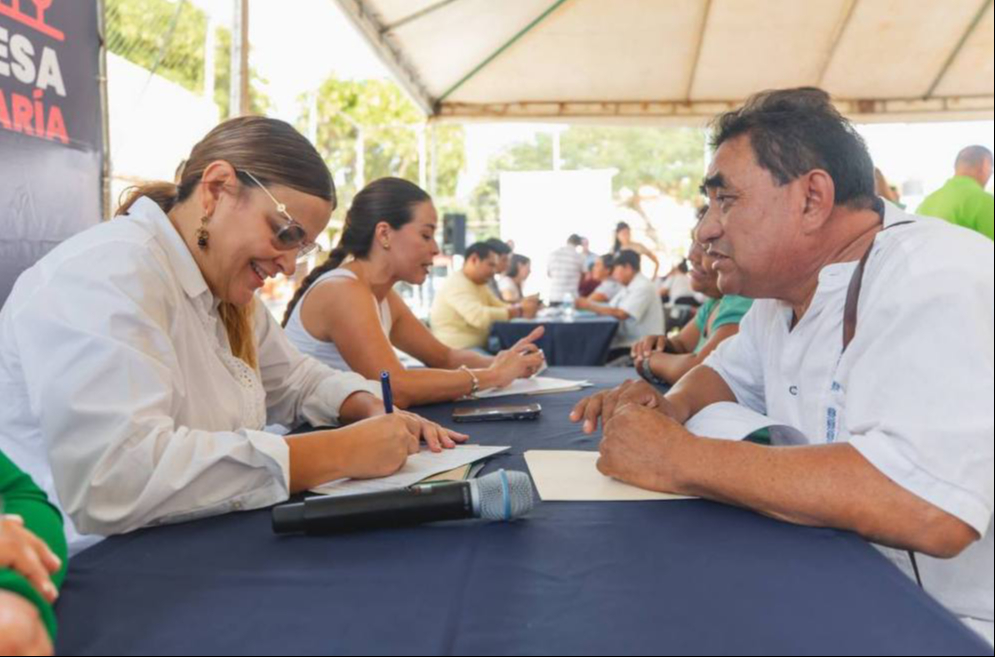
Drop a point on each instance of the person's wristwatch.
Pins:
(646, 372)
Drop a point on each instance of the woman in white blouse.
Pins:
(138, 371)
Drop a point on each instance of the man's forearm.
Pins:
(831, 486)
(608, 311)
(698, 389)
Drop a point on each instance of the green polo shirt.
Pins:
(727, 310)
(964, 202)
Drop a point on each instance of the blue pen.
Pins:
(388, 393)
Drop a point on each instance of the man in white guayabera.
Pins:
(849, 342)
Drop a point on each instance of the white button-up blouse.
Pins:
(119, 393)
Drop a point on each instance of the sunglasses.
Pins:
(291, 235)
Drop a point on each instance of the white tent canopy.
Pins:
(683, 61)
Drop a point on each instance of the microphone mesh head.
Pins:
(505, 495)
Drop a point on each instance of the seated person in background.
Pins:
(677, 287)
(33, 559)
(566, 269)
(637, 306)
(666, 360)
(512, 285)
(963, 201)
(347, 315)
(160, 370)
(624, 242)
(895, 434)
(504, 252)
(605, 287)
(465, 310)
(588, 284)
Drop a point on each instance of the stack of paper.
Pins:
(418, 468)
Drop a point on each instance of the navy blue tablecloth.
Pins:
(579, 343)
(656, 578)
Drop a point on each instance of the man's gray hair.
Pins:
(974, 156)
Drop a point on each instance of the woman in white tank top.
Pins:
(347, 314)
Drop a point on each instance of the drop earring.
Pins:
(203, 235)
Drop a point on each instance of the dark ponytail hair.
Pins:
(389, 200)
(618, 243)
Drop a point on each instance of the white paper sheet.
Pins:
(728, 421)
(537, 386)
(574, 477)
(419, 467)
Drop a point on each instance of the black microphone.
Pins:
(502, 496)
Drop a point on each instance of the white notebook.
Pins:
(418, 468)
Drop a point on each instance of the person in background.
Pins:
(666, 360)
(160, 370)
(604, 287)
(677, 287)
(963, 201)
(585, 250)
(347, 315)
(566, 269)
(885, 190)
(637, 306)
(512, 285)
(465, 309)
(624, 242)
(504, 252)
(33, 557)
(589, 283)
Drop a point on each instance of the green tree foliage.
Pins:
(390, 124)
(138, 30)
(671, 160)
(259, 102)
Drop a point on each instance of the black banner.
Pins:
(51, 144)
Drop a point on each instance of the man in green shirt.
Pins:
(32, 564)
(963, 200)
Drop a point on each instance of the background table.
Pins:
(584, 342)
(657, 578)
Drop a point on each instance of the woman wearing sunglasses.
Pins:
(138, 372)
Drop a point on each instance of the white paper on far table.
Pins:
(537, 386)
